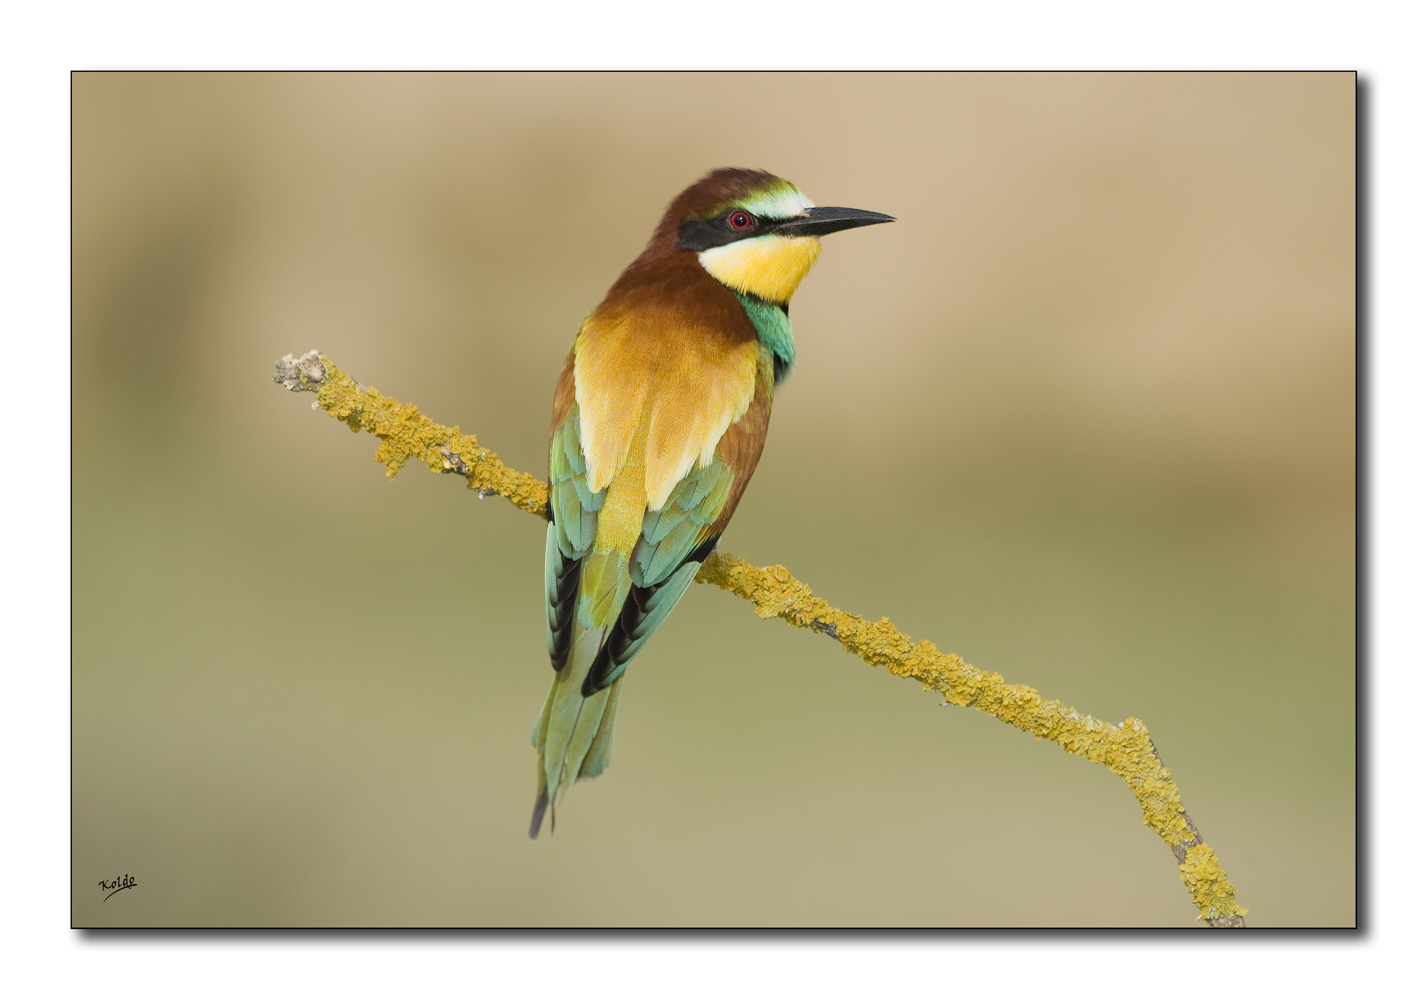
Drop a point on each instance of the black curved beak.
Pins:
(822, 221)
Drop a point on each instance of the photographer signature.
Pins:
(117, 884)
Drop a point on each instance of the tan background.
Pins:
(1084, 415)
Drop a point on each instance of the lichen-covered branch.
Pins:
(1124, 747)
(406, 433)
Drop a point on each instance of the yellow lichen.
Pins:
(1124, 748)
(1210, 886)
(405, 433)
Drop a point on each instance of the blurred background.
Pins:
(1107, 350)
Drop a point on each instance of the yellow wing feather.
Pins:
(662, 392)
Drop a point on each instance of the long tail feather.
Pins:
(538, 815)
(603, 745)
(573, 735)
(560, 783)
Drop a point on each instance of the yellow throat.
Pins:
(767, 266)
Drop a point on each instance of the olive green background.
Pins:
(1084, 414)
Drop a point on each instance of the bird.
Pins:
(659, 419)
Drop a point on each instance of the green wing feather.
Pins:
(569, 722)
(673, 542)
(601, 607)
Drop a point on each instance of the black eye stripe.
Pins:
(701, 234)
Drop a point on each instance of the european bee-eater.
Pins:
(659, 419)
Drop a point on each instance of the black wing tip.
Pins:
(614, 652)
(538, 815)
(704, 551)
(595, 681)
(561, 614)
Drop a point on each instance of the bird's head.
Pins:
(756, 233)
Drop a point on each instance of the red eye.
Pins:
(741, 220)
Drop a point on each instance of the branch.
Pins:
(1125, 747)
